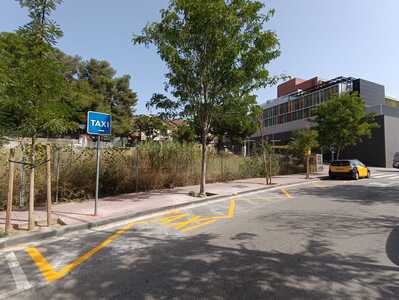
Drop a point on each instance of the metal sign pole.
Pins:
(98, 124)
(97, 173)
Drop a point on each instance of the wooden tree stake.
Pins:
(48, 157)
(10, 190)
(31, 220)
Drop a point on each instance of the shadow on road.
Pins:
(204, 267)
(333, 226)
(360, 194)
(392, 246)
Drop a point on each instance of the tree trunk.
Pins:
(10, 190)
(203, 163)
(222, 165)
(307, 166)
(31, 221)
(265, 164)
(57, 174)
(270, 168)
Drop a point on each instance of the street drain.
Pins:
(207, 194)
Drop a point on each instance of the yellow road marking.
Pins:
(288, 195)
(199, 225)
(230, 212)
(202, 221)
(180, 225)
(172, 218)
(52, 275)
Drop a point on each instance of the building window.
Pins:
(298, 107)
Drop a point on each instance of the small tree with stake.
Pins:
(215, 50)
(265, 147)
(33, 103)
(301, 145)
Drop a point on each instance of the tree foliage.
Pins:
(185, 133)
(82, 86)
(301, 141)
(32, 101)
(342, 121)
(236, 119)
(151, 126)
(215, 50)
(96, 87)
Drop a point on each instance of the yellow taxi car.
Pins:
(351, 168)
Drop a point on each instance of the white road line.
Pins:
(395, 177)
(377, 174)
(20, 279)
(384, 176)
(379, 184)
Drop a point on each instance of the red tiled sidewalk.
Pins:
(82, 212)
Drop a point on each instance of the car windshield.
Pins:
(340, 163)
(358, 163)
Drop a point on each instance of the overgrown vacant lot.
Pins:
(125, 170)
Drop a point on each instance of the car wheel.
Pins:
(368, 174)
(356, 175)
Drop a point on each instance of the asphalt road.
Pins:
(329, 240)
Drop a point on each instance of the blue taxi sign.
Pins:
(98, 123)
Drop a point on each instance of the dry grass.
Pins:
(159, 166)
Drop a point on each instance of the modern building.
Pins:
(297, 98)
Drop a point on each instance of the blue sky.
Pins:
(357, 38)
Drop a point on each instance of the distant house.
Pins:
(161, 131)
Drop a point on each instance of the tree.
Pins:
(236, 119)
(117, 98)
(88, 85)
(342, 121)
(94, 86)
(301, 145)
(265, 147)
(32, 104)
(151, 126)
(185, 134)
(215, 50)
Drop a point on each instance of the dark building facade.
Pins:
(297, 99)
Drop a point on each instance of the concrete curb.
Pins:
(47, 233)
